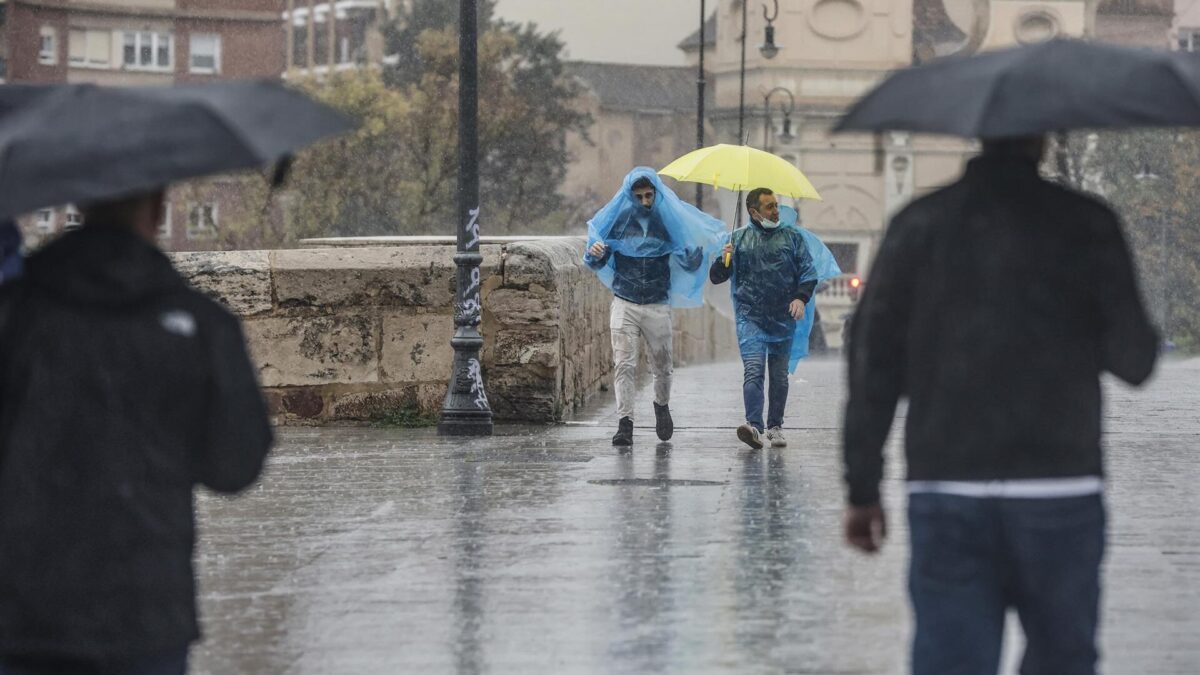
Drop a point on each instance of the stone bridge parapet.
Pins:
(355, 334)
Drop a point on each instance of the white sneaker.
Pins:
(749, 435)
(775, 437)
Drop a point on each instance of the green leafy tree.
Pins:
(362, 183)
(526, 109)
(1152, 178)
(402, 35)
(398, 174)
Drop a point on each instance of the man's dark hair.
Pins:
(118, 211)
(642, 183)
(753, 196)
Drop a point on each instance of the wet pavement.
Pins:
(549, 551)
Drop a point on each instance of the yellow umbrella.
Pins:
(740, 167)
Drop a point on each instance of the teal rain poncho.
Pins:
(674, 228)
(767, 270)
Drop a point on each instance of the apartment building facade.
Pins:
(145, 43)
(333, 36)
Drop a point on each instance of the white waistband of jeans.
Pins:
(1033, 488)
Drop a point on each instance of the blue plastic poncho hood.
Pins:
(679, 230)
(779, 262)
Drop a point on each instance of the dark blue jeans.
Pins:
(771, 357)
(973, 559)
(174, 662)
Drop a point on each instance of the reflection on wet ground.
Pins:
(548, 550)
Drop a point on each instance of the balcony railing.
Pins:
(844, 288)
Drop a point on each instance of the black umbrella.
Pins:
(1036, 89)
(82, 143)
(14, 97)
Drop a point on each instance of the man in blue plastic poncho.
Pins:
(649, 247)
(774, 279)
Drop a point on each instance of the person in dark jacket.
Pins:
(641, 281)
(993, 306)
(121, 388)
(773, 281)
(11, 262)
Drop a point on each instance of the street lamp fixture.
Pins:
(785, 136)
(768, 48)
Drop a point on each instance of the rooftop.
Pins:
(630, 87)
(692, 41)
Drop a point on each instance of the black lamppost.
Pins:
(786, 135)
(466, 411)
(700, 82)
(742, 81)
(768, 49)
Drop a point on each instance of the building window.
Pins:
(74, 219)
(1189, 40)
(48, 55)
(846, 255)
(164, 228)
(90, 48)
(203, 220)
(148, 51)
(206, 53)
(1037, 26)
(44, 221)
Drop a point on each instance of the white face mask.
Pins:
(769, 224)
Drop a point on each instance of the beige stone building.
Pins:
(830, 53)
(643, 116)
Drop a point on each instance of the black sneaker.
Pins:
(624, 435)
(664, 426)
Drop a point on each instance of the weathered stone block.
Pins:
(431, 397)
(314, 350)
(241, 280)
(304, 403)
(519, 393)
(524, 271)
(416, 276)
(416, 347)
(515, 307)
(535, 347)
(274, 401)
(371, 405)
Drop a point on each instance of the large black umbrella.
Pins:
(82, 143)
(1035, 89)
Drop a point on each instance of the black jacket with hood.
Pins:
(120, 389)
(993, 305)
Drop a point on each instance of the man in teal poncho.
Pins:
(774, 279)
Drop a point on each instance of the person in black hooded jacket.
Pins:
(121, 388)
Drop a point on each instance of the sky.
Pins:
(614, 31)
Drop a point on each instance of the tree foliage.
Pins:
(398, 174)
(1152, 178)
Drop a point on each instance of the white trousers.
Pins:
(630, 323)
